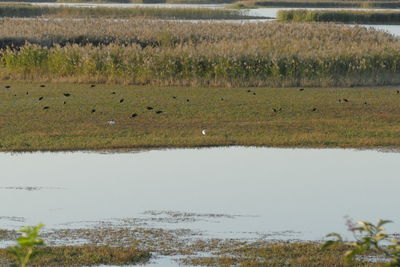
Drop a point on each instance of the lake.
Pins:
(273, 191)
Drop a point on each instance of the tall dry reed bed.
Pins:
(171, 53)
(31, 11)
(344, 16)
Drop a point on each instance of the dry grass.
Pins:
(30, 11)
(241, 118)
(173, 53)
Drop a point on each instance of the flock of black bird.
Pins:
(134, 115)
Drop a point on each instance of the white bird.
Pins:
(204, 132)
(111, 122)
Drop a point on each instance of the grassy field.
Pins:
(82, 256)
(316, 4)
(36, 118)
(197, 54)
(342, 16)
(30, 11)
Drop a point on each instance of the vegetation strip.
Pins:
(40, 117)
(203, 54)
(315, 4)
(31, 11)
(84, 255)
(114, 246)
(344, 16)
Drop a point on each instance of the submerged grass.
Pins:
(176, 53)
(316, 4)
(349, 117)
(343, 16)
(112, 246)
(84, 255)
(30, 11)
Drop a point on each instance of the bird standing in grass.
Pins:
(121, 100)
(204, 131)
(149, 108)
(46, 107)
(133, 115)
(41, 98)
(67, 94)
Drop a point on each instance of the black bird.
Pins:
(133, 115)
(27, 93)
(149, 108)
(67, 94)
(398, 91)
(174, 97)
(314, 109)
(40, 98)
(345, 100)
(222, 99)
(113, 93)
(42, 85)
(7, 86)
(301, 89)
(46, 107)
(365, 103)
(187, 100)
(254, 93)
(340, 100)
(92, 85)
(15, 95)
(65, 102)
(122, 100)
(93, 110)
(159, 111)
(248, 91)
(274, 110)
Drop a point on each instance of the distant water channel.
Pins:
(264, 12)
(284, 193)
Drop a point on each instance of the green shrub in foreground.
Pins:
(369, 238)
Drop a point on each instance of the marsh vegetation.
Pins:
(342, 16)
(173, 53)
(31, 11)
(316, 4)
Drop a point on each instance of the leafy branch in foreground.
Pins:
(369, 238)
(29, 239)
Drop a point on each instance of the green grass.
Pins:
(315, 4)
(241, 118)
(84, 255)
(343, 16)
(277, 254)
(30, 11)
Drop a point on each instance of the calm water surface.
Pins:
(306, 191)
